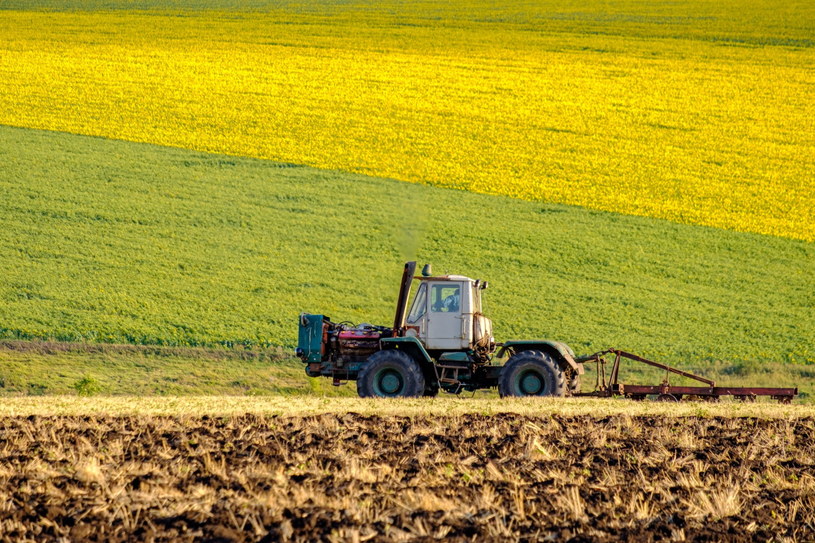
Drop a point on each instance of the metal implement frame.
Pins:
(665, 391)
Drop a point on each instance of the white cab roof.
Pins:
(445, 278)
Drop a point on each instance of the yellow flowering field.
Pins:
(701, 116)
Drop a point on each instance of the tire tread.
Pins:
(412, 373)
(542, 360)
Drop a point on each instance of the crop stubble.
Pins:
(348, 477)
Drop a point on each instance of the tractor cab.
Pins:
(446, 314)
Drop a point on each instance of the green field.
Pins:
(47, 369)
(116, 242)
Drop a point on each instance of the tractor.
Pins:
(444, 342)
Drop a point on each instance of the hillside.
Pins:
(698, 112)
(110, 241)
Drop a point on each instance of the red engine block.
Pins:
(358, 345)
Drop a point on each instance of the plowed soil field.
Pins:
(351, 477)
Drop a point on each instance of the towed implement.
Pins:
(445, 342)
(665, 392)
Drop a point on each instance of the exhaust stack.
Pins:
(401, 302)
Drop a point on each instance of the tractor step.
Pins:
(450, 373)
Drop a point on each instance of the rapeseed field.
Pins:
(697, 112)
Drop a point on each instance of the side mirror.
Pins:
(484, 285)
(427, 270)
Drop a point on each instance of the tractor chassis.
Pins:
(452, 378)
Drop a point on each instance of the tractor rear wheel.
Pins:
(390, 374)
(531, 373)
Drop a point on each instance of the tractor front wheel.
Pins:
(390, 374)
(531, 373)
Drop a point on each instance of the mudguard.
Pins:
(545, 345)
(410, 345)
(416, 350)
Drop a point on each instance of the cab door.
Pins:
(444, 318)
(416, 325)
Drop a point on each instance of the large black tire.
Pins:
(390, 374)
(531, 373)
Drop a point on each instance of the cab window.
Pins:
(419, 305)
(446, 298)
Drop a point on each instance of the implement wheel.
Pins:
(531, 373)
(667, 398)
(390, 374)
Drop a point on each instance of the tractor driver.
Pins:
(451, 302)
(446, 298)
